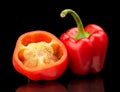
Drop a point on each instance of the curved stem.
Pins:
(81, 32)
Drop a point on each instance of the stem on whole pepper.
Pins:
(81, 33)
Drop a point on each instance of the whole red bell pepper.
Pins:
(86, 47)
(40, 55)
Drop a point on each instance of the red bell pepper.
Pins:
(40, 55)
(86, 46)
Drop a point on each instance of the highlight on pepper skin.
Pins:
(40, 55)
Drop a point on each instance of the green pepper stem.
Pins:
(81, 33)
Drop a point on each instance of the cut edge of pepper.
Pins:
(53, 43)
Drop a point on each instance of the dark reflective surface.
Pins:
(77, 85)
(41, 87)
(11, 81)
(87, 85)
(20, 18)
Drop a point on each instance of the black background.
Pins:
(20, 17)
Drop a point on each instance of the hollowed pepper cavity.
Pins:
(40, 55)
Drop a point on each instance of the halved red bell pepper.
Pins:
(40, 55)
(86, 47)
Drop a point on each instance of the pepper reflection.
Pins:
(86, 85)
(42, 87)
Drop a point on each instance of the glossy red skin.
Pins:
(86, 54)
